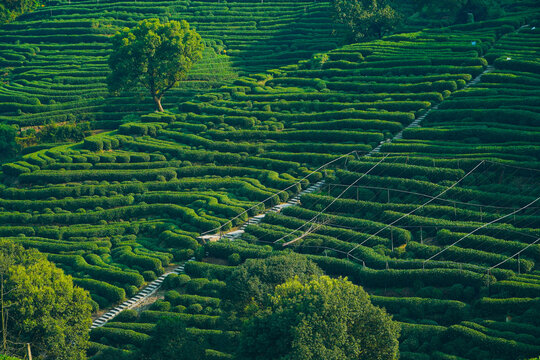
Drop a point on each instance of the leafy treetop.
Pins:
(365, 19)
(325, 318)
(41, 306)
(153, 55)
(251, 282)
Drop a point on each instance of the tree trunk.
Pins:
(157, 100)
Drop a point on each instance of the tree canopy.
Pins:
(41, 306)
(330, 319)
(365, 18)
(171, 340)
(10, 9)
(153, 55)
(253, 280)
(8, 144)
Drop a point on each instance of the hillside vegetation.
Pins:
(55, 58)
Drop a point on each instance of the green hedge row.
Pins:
(54, 176)
(77, 263)
(119, 337)
(506, 348)
(110, 292)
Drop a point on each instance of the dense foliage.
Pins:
(41, 306)
(10, 9)
(251, 282)
(153, 55)
(321, 319)
(366, 18)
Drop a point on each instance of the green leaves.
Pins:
(45, 309)
(323, 318)
(365, 18)
(153, 55)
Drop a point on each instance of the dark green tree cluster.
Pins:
(366, 19)
(40, 306)
(289, 310)
(171, 340)
(10, 9)
(8, 145)
(324, 318)
(61, 133)
(251, 282)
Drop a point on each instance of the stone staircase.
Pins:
(151, 288)
(416, 123)
(233, 235)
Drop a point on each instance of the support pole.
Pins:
(488, 279)
(29, 351)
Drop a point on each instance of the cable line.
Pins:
(279, 192)
(421, 206)
(332, 202)
(481, 227)
(516, 254)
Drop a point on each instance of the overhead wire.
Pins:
(334, 200)
(421, 206)
(279, 192)
(481, 227)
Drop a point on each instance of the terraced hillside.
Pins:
(440, 225)
(447, 245)
(54, 59)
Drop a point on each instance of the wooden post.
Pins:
(488, 279)
(29, 351)
(392, 238)
(421, 236)
(481, 215)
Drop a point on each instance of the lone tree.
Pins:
(365, 18)
(330, 319)
(153, 55)
(40, 306)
